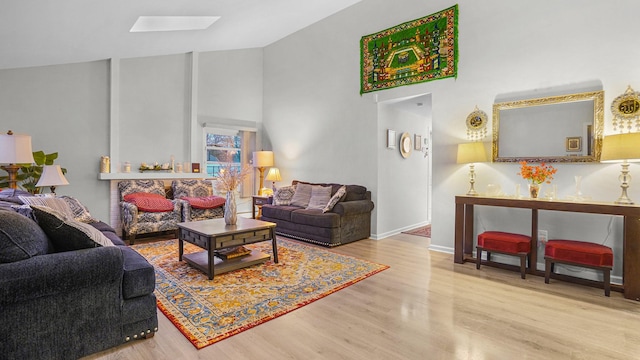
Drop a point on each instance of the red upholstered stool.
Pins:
(579, 253)
(504, 243)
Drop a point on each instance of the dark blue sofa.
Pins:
(65, 305)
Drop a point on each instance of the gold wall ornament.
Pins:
(477, 125)
(626, 111)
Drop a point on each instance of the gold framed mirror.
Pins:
(563, 128)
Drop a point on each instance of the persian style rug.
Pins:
(207, 311)
(421, 50)
(421, 231)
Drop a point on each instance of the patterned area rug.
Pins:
(421, 231)
(209, 311)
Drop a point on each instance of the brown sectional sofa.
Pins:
(348, 221)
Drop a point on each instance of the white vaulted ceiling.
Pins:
(46, 32)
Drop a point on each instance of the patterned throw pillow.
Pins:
(79, 211)
(335, 199)
(320, 196)
(54, 203)
(302, 195)
(283, 195)
(208, 202)
(149, 202)
(68, 234)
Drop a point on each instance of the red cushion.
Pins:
(205, 202)
(149, 202)
(579, 252)
(504, 242)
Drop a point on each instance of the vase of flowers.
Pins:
(536, 175)
(229, 178)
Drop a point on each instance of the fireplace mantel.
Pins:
(160, 175)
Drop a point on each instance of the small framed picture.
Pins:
(574, 143)
(391, 139)
(417, 142)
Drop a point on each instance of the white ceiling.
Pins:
(46, 32)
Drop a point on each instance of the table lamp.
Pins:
(14, 149)
(273, 175)
(52, 176)
(625, 147)
(262, 160)
(471, 153)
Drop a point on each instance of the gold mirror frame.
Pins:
(598, 126)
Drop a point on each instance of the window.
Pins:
(222, 149)
(233, 146)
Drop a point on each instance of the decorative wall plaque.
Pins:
(477, 125)
(626, 111)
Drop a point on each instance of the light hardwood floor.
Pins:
(427, 307)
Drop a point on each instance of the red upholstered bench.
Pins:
(579, 253)
(504, 243)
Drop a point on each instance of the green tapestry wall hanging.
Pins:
(421, 50)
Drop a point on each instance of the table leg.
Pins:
(458, 255)
(533, 258)
(469, 219)
(180, 247)
(274, 245)
(212, 259)
(631, 258)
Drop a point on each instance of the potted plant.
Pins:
(29, 174)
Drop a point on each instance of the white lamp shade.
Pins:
(15, 149)
(471, 153)
(273, 174)
(52, 176)
(621, 147)
(262, 158)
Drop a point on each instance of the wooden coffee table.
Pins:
(214, 234)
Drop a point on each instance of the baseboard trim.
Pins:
(441, 249)
(398, 231)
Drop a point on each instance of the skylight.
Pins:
(172, 23)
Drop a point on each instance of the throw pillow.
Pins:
(283, 195)
(149, 202)
(335, 199)
(79, 211)
(320, 196)
(302, 195)
(54, 203)
(68, 234)
(20, 238)
(208, 202)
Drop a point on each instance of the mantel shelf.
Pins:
(150, 175)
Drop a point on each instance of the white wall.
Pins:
(154, 109)
(311, 85)
(321, 129)
(531, 46)
(65, 109)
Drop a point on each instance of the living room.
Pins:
(302, 94)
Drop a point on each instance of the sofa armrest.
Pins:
(345, 208)
(52, 274)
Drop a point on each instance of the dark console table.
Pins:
(631, 236)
